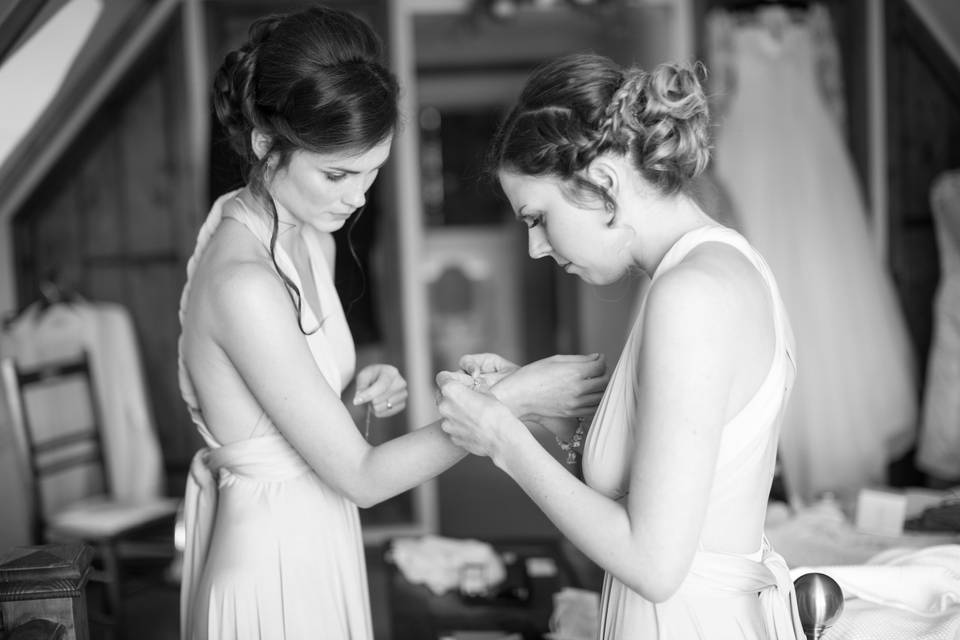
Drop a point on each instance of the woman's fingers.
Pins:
(589, 402)
(594, 385)
(383, 384)
(453, 377)
(484, 363)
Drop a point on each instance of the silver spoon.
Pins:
(819, 603)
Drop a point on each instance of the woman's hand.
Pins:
(474, 420)
(561, 386)
(490, 368)
(383, 387)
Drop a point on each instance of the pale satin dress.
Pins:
(272, 551)
(725, 595)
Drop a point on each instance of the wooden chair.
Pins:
(56, 420)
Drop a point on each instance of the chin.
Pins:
(600, 279)
(329, 226)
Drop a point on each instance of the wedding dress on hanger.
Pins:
(782, 157)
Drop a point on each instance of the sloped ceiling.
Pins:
(942, 18)
(116, 23)
(122, 31)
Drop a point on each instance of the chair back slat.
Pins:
(60, 435)
(71, 463)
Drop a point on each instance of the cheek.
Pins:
(319, 191)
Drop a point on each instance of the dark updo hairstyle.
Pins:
(310, 81)
(578, 107)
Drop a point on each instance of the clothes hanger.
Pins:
(52, 293)
(773, 15)
(752, 5)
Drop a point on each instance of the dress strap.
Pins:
(257, 221)
(187, 390)
(719, 233)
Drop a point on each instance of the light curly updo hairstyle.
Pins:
(310, 81)
(578, 107)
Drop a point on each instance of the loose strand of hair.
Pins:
(255, 180)
(356, 257)
(292, 288)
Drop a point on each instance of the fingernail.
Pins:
(357, 400)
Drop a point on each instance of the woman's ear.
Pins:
(604, 173)
(260, 142)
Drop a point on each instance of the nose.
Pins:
(356, 197)
(537, 244)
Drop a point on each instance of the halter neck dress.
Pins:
(744, 596)
(271, 551)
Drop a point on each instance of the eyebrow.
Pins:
(354, 172)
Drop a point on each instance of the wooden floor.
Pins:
(152, 608)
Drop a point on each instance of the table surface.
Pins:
(419, 614)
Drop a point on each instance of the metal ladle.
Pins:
(819, 603)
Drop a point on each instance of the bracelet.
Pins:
(575, 444)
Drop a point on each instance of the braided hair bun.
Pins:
(234, 98)
(580, 106)
(310, 80)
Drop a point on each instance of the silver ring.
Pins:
(389, 405)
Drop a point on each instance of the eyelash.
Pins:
(334, 177)
(533, 222)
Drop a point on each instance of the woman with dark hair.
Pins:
(679, 460)
(273, 544)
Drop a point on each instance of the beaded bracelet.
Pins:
(573, 446)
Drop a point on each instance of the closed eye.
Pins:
(532, 221)
(334, 176)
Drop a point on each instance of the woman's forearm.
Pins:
(405, 462)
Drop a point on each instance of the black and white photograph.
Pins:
(479, 320)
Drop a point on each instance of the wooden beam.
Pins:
(197, 74)
(14, 20)
(80, 113)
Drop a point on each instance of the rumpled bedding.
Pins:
(899, 594)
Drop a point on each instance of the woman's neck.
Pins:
(287, 226)
(665, 220)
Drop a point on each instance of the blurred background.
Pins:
(110, 158)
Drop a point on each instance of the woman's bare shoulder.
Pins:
(717, 269)
(714, 289)
(235, 277)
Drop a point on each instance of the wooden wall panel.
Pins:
(104, 283)
(154, 297)
(98, 201)
(148, 171)
(923, 105)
